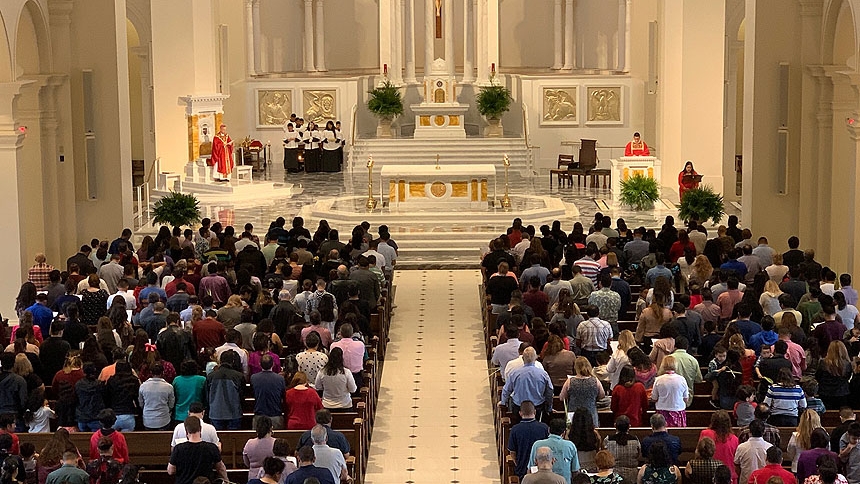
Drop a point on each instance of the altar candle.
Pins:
(385, 69)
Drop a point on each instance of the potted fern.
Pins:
(385, 103)
(701, 204)
(639, 192)
(493, 101)
(176, 210)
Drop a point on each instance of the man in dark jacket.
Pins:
(174, 344)
(53, 352)
(252, 256)
(284, 314)
(82, 259)
(224, 392)
(13, 388)
(368, 283)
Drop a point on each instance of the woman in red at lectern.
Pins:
(690, 184)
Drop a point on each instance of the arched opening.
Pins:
(6, 70)
(135, 98)
(733, 134)
(139, 35)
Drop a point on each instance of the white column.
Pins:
(448, 18)
(410, 42)
(628, 19)
(309, 36)
(569, 50)
(493, 33)
(249, 38)
(468, 41)
(429, 35)
(11, 141)
(398, 41)
(258, 37)
(620, 35)
(320, 37)
(558, 18)
(483, 64)
(386, 37)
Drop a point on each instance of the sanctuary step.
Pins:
(414, 151)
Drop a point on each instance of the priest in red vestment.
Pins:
(637, 147)
(222, 154)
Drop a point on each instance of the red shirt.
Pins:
(14, 450)
(170, 288)
(209, 333)
(301, 407)
(120, 448)
(632, 402)
(677, 250)
(762, 475)
(538, 301)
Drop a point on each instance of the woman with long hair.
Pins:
(747, 356)
(833, 376)
(701, 468)
(645, 369)
(272, 470)
(285, 454)
(786, 400)
(689, 183)
(671, 394)
(629, 397)
(189, 387)
(567, 312)
(51, 456)
(680, 246)
(107, 337)
(585, 437)
(26, 298)
(257, 449)
(118, 315)
(801, 438)
(121, 394)
(652, 319)
(619, 358)
(789, 320)
(558, 362)
(701, 270)
(659, 469)
(626, 449)
(335, 382)
(769, 299)
(262, 346)
(93, 301)
(301, 403)
(583, 389)
(726, 443)
(92, 353)
(63, 386)
(664, 345)
(848, 312)
(807, 463)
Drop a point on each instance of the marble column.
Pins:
(569, 50)
(410, 41)
(628, 22)
(620, 35)
(448, 18)
(493, 33)
(309, 36)
(483, 63)
(468, 41)
(386, 38)
(249, 38)
(397, 9)
(319, 32)
(258, 37)
(429, 35)
(557, 35)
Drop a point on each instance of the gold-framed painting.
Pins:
(319, 105)
(559, 106)
(605, 105)
(274, 107)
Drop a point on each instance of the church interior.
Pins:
(106, 106)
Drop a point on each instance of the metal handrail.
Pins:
(354, 117)
(142, 203)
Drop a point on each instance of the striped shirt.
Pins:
(590, 268)
(785, 400)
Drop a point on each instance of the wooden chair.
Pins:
(563, 170)
(587, 161)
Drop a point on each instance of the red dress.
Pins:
(632, 401)
(683, 187)
(301, 408)
(222, 154)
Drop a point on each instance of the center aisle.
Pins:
(434, 420)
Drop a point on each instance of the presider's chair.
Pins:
(587, 161)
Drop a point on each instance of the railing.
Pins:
(352, 131)
(530, 149)
(142, 211)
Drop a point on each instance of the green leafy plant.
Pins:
(385, 101)
(176, 210)
(701, 204)
(639, 192)
(494, 100)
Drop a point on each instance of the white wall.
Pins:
(527, 34)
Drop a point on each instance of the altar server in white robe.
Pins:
(312, 138)
(342, 141)
(331, 144)
(291, 148)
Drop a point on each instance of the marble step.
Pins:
(424, 152)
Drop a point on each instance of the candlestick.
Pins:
(506, 200)
(371, 202)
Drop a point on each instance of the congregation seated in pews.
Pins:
(227, 357)
(607, 329)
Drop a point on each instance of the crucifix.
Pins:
(438, 19)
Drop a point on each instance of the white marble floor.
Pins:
(434, 418)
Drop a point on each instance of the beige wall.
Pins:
(526, 38)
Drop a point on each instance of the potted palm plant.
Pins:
(701, 204)
(385, 103)
(493, 101)
(176, 210)
(639, 192)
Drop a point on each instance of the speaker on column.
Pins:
(652, 57)
(783, 94)
(89, 134)
(783, 135)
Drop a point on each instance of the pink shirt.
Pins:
(353, 353)
(325, 334)
(725, 451)
(797, 356)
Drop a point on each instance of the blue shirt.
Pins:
(748, 329)
(566, 457)
(42, 317)
(269, 388)
(735, 265)
(673, 444)
(658, 271)
(535, 270)
(762, 338)
(144, 293)
(528, 383)
(523, 436)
